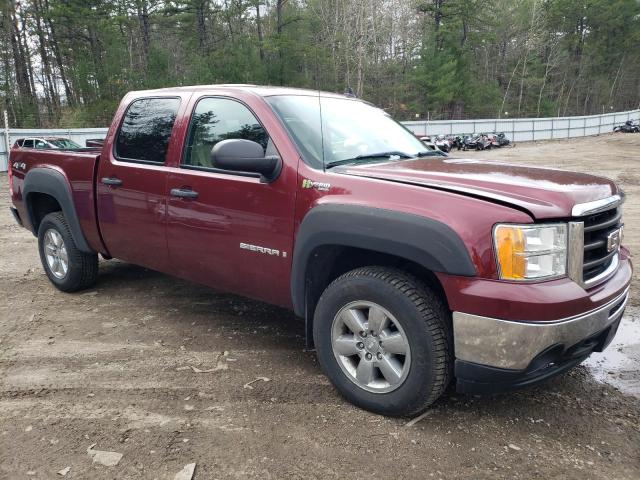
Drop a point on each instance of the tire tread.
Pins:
(434, 315)
(87, 263)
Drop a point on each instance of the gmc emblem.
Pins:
(614, 239)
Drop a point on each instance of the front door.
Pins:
(232, 232)
(131, 184)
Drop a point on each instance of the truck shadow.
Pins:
(205, 317)
(183, 302)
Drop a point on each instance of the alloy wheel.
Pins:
(370, 347)
(56, 253)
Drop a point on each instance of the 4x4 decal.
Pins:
(323, 187)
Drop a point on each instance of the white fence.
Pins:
(527, 129)
(516, 129)
(78, 135)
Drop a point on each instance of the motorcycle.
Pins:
(503, 141)
(468, 142)
(627, 127)
(457, 142)
(492, 138)
(442, 143)
(476, 142)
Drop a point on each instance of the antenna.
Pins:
(321, 129)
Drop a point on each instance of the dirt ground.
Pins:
(160, 370)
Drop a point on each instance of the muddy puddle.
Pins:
(619, 364)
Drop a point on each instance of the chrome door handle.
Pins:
(183, 193)
(111, 181)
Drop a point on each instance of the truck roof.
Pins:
(261, 90)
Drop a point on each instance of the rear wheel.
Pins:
(384, 340)
(68, 268)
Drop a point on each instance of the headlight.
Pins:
(529, 252)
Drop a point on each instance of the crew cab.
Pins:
(410, 270)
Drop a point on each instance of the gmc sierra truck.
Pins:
(410, 270)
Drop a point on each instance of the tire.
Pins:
(412, 311)
(81, 268)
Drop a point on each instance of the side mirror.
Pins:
(245, 156)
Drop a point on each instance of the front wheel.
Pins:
(384, 340)
(68, 268)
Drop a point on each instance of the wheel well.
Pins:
(40, 205)
(330, 261)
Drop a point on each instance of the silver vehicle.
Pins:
(46, 143)
(432, 146)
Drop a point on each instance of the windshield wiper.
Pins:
(429, 153)
(373, 156)
(368, 156)
(393, 153)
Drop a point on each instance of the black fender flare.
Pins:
(53, 183)
(422, 240)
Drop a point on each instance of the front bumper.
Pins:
(498, 355)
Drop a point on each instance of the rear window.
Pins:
(64, 143)
(146, 129)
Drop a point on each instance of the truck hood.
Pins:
(541, 192)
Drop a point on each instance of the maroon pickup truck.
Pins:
(409, 269)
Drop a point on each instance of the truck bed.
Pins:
(79, 169)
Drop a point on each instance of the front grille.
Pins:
(596, 229)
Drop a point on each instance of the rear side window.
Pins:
(217, 119)
(28, 144)
(146, 129)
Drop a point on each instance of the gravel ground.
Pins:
(160, 370)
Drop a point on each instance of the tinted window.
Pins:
(146, 130)
(217, 119)
(28, 144)
(64, 143)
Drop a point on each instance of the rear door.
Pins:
(235, 232)
(131, 182)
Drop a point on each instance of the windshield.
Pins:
(64, 143)
(351, 131)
